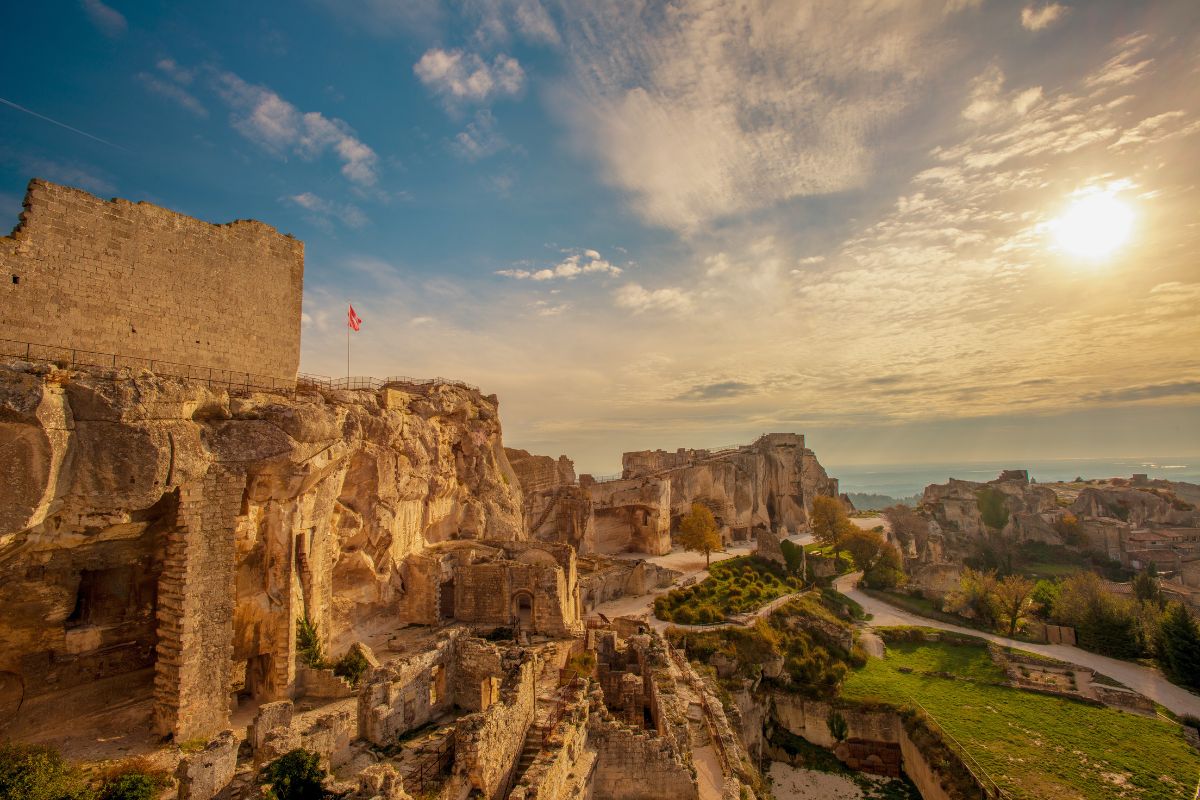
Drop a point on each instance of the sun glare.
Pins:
(1094, 226)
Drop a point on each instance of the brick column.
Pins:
(195, 609)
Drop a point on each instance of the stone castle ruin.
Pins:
(115, 283)
(189, 541)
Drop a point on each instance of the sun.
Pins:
(1093, 226)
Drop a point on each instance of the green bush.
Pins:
(992, 507)
(351, 666)
(133, 786)
(296, 775)
(684, 616)
(33, 772)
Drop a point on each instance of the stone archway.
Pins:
(522, 609)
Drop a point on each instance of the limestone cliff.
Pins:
(557, 508)
(140, 514)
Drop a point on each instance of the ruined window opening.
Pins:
(16, 279)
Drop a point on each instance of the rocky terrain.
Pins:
(1130, 521)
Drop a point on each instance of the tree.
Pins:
(1045, 592)
(907, 526)
(993, 507)
(1178, 647)
(1015, 601)
(296, 775)
(1070, 529)
(888, 570)
(975, 597)
(830, 525)
(1103, 622)
(1145, 586)
(698, 532)
(864, 547)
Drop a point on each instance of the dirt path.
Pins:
(1144, 680)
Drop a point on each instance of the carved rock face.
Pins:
(322, 496)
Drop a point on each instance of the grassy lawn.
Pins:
(734, 586)
(1034, 746)
(932, 609)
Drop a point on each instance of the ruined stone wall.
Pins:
(633, 764)
(563, 769)
(487, 744)
(396, 697)
(155, 517)
(141, 281)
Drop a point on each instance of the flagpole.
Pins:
(347, 344)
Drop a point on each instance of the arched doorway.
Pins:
(522, 610)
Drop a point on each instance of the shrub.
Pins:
(582, 663)
(133, 786)
(308, 644)
(296, 775)
(351, 666)
(33, 772)
(838, 728)
(684, 616)
(992, 507)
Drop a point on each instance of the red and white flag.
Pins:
(353, 320)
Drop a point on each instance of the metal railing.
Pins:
(366, 382)
(74, 358)
(616, 476)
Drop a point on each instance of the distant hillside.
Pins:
(866, 501)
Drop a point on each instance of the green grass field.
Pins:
(1034, 746)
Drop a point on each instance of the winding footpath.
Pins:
(1144, 680)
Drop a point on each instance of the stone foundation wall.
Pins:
(396, 698)
(141, 281)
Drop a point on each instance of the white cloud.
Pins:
(173, 88)
(458, 76)
(264, 117)
(715, 108)
(323, 210)
(638, 299)
(480, 138)
(498, 20)
(1036, 19)
(587, 262)
(108, 20)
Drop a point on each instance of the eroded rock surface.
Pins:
(140, 514)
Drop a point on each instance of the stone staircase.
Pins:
(534, 740)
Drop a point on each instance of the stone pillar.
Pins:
(195, 609)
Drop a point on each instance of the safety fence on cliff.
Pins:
(90, 360)
(94, 361)
(366, 382)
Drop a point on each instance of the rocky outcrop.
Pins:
(557, 508)
(768, 484)
(143, 517)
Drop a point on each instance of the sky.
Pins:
(913, 230)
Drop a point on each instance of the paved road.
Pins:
(1145, 680)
